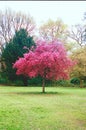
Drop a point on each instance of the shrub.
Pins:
(17, 83)
(75, 81)
(4, 81)
(63, 83)
(35, 81)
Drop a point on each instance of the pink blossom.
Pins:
(49, 60)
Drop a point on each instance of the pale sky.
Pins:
(71, 12)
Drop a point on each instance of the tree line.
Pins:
(18, 30)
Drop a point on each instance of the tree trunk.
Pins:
(43, 86)
(25, 81)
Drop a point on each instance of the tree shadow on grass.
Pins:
(40, 93)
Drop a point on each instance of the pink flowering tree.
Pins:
(49, 60)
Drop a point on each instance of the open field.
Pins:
(27, 108)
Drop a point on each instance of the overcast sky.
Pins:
(71, 12)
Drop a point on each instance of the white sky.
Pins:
(71, 12)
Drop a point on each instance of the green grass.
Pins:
(27, 108)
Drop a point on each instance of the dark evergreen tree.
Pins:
(20, 44)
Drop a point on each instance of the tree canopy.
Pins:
(17, 46)
(50, 61)
(80, 69)
(10, 22)
(53, 29)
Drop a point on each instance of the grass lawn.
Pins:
(27, 108)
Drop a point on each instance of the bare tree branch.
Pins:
(11, 21)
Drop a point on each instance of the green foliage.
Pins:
(17, 83)
(54, 29)
(63, 83)
(75, 81)
(15, 49)
(84, 85)
(3, 79)
(79, 70)
(35, 81)
(38, 81)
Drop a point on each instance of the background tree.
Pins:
(49, 61)
(79, 70)
(11, 21)
(53, 29)
(15, 49)
(77, 33)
